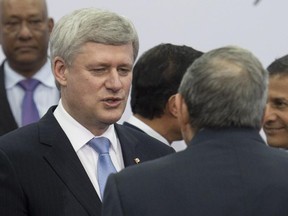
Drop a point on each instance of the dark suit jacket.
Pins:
(41, 174)
(227, 172)
(7, 120)
(132, 126)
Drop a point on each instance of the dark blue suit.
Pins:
(41, 174)
(7, 120)
(228, 172)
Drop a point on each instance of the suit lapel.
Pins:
(65, 162)
(132, 126)
(128, 145)
(7, 120)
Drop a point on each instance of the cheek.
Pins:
(126, 82)
(284, 117)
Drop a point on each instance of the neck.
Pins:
(164, 126)
(27, 70)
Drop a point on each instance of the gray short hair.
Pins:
(226, 87)
(72, 31)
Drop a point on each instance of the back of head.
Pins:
(157, 75)
(72, 31)
(226, 87)
(279, 66)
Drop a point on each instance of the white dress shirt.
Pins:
(147, 129)
(79, 136)
(177, 145)
(45, 95)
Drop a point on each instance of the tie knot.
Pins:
(29, 84)
(100, 145)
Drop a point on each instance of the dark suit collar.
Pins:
(132, 126)
(64, 160)
(233, 133)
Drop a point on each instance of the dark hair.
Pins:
(279, 66)
(157, 76)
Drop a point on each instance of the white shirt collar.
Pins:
(76, 133)
(147, 129)
(43, 75)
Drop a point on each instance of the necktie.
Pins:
(105, 165)
(29, 110)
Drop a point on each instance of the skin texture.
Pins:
(166, 125)
(95, 88)
(276, 115)
(183, 119)
(24, 34)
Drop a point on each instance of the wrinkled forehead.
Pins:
(278, 84)
(23, 7)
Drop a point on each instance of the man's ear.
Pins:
(60, 71)
(171, 105)
(184, 119)
(50, 24)
(181, 109)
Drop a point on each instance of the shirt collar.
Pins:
(43, 75)
(147, 129)
(78, 134)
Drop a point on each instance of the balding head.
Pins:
(226, 87)
(24, 34)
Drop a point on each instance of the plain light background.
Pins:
(202, 24)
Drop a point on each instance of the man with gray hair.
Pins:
(227, 168)
(59, 165)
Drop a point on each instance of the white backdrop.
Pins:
(202, 24)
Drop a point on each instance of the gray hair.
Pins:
(226, 87)
(72, 31)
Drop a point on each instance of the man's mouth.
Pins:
(112, 102)
(271, 130)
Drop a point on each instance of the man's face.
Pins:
(24, 33)
(276, 115)
(95, 88)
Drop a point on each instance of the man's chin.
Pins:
(112, 119)
(277, 144)
(27, 60)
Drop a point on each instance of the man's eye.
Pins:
(280, 104)
(35, 22)
(124, 71)
(12, 23)
(99, 70)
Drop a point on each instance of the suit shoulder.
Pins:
(19, 138)
(141, 139)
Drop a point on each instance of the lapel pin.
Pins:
(137, 160)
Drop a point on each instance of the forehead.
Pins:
(22, 8)
(104, 51)
(278, 86)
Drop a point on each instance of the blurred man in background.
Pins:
(27, 85)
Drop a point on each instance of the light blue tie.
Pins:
(105, 165)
